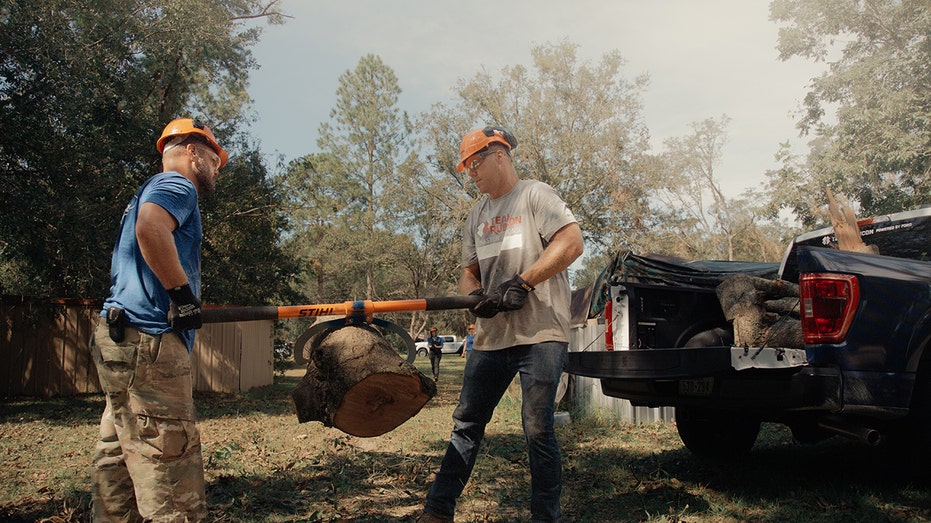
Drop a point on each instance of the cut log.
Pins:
(764, 313)
(788, 305)
(358, 383)
(742, 293)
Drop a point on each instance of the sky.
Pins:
(705, 59)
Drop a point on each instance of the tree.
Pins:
(690, 196)
(875, 146)
(244, 262)
(698, 220)
(364, 219)
(795, 187)
(579, 127)
(86, 87)
(365, 142)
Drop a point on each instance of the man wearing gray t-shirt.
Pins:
(517, 244)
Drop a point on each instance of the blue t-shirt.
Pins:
(134, 287)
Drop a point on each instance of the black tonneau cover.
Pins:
(665, 270)
(655, 269)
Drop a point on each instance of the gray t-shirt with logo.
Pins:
(505, 236)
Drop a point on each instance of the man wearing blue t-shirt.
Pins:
(148, 463)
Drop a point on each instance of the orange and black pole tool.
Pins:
(354, 312)
(359, 310)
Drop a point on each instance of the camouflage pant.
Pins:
(148, 464)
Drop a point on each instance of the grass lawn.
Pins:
(262, 466)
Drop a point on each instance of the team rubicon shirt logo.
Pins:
(498, 225)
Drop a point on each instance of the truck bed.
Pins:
(863, 371)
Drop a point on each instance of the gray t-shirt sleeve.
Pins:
(549, 209)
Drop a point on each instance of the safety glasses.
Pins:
(478, 161)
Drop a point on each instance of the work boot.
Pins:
(427, 517)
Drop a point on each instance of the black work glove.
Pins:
(513, 293)
(184, 312)
(487, 307)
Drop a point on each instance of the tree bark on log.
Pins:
(764, 312)
(358, 383)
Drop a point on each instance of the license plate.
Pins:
(699, 387)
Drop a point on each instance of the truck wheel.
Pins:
(716, 434)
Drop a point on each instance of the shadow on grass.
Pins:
(74, 508)
(353, 485)
(612, 472)
(835, 480)
(832, 481)
(272, 399)
(70, 411)
(774, 484)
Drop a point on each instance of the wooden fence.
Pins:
(44, 347)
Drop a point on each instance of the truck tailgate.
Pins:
(679, 363)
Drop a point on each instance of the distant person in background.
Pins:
(148, 464)
(469, 341)
(435, 348)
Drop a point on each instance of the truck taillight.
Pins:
(829, 302)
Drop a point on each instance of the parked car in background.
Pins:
(420, 347)
(451, 345)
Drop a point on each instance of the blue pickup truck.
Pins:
(861, 369)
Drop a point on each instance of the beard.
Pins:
(206, 180)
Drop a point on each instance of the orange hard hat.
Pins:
(478, 140)
(182, 126)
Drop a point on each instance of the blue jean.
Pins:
(487, 376)
(435, 357)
